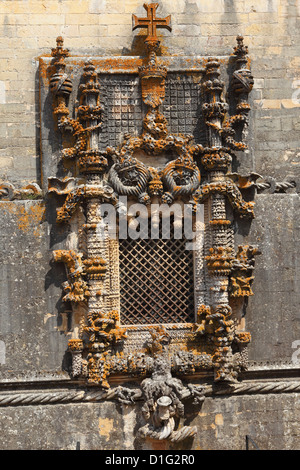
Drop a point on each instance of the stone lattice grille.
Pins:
(156, 281)
(182, 106)
(124, 109)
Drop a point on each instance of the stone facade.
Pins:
(35, 384)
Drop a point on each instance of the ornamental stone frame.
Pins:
(154, 130)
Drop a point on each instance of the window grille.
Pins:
(156, 280)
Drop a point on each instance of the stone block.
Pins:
(115, 18)
(6, 162)
(276, 295)
(264, 6)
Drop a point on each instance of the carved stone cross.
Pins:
(151, 22)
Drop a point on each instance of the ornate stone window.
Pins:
(151, 131)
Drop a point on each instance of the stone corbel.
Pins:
(164, 396)
(242, 267)
(231, 191)
(104, 333)
(75, 287)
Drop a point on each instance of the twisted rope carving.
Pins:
(57, 82)
(183, 433)
(256, 388)
(262, 186)
(48, 398)
(281, 186)
(41, 398)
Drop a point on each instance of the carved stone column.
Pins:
(221, 250)
(216, 161)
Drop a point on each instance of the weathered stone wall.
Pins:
(33, 333)
(271, 420)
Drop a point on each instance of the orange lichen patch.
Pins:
(95, 267)
(219, 222)
(127, 64)
(109, 64)
(106, 425)
(220, 260)
(28, 217)
(243, 337)
(120, 64)
(75, 345)
(70, 258)
(219, 419)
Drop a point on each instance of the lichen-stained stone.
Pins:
(30, 324)
(271, 421)
(61, 427)
(273, 313)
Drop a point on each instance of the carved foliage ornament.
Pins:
(194, 173)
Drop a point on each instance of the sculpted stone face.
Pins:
(129, 176)
(182, 176)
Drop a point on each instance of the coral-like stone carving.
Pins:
(242, 272)
(75, 288)
(103, 334)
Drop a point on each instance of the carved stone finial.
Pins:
(59, 53)
(240, 50)
(60, 84)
